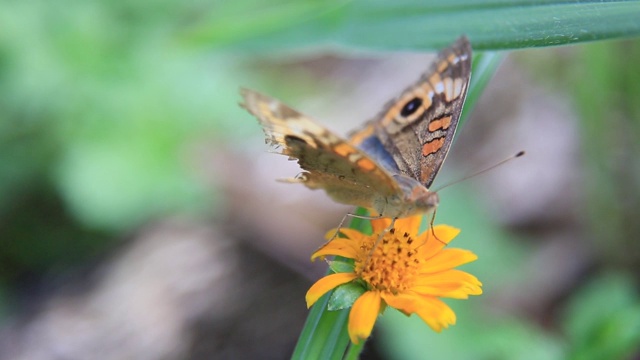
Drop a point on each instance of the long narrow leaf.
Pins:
(415, 24)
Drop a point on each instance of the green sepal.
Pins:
(341, 266)
(345, 295)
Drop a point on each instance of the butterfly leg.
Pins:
(433, 218)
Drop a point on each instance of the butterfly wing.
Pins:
(413, 133)
(346, 173)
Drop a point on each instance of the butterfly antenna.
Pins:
(517, 155)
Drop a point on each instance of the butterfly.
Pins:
(389, 163)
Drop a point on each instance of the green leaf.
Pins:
(489, 25)
(344, 296)
(415, 24)
(340, 266)
(484, 67)
(603, 319)
(324, 335)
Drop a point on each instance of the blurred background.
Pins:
(140, 217)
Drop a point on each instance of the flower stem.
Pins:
(324, 335)
(353, 353)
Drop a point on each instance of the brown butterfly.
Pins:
(388, 164)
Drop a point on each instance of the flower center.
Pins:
(391, 264)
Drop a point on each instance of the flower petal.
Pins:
(349, 233)
(435, 313)
(340, 247)
(410, 224)
(434, 243)
(325, 284)
(447, 259)
(406, 302)
(363, 316)
(379, 225)
(431, 310)
(452, 283)
(444, 233)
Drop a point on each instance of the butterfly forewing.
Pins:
(413, 133)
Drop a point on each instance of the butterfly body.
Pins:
(388, 164)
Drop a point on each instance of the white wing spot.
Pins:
(457, 87)
(448, 83)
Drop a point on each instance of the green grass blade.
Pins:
(484, 67)
(415, 24)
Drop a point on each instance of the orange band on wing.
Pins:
(443, 65)
(432, 146)
(343, 149)
(435, 79)
(442, 123)
(366, 164)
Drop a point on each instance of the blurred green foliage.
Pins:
(602, 320)
(102, 104)
(608, 101)
(100, 111)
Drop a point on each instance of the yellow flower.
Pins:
(405, 270)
